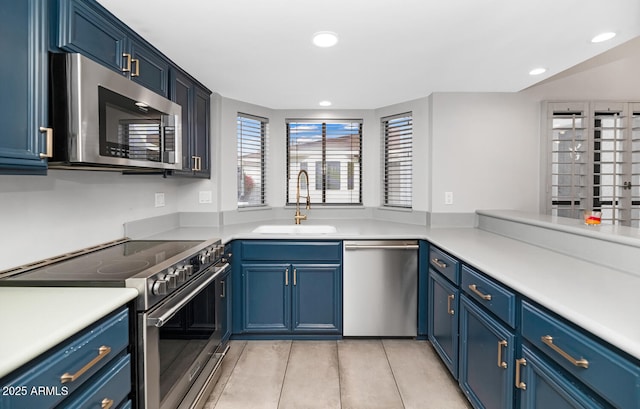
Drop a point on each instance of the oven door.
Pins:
(180, 342)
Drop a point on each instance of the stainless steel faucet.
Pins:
(298, 217)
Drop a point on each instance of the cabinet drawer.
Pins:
(609, 374)
(80, 358)
(279, 250)
(110, 387)
(490, 295)
(445, 264)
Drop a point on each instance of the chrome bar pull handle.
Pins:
(450, 298)
(519, 384)
(286, 276)
(295, 273)
(548, 340)
(127, 65)
(438, 263)
(474, 288)
(49, 148)
(106, 403)
(501, 363)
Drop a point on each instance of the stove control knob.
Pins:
(172, 280)
(181, 274)
(159, 288)
(188, 269)
(204, 257)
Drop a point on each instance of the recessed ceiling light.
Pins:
(603, 37)
(325, 103)
(325, 39)
(537, 71)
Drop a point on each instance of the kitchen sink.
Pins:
(295, 229)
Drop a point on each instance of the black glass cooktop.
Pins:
(112, 264)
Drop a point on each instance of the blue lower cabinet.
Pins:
(111, 387)
(90, 365)
(443, 320)
(267, 298)
(486, 373)
(289, 299)
(541, 386)
(316, 294)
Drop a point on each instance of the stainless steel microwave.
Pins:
(102, 120)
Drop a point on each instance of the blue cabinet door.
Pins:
(443, 320)
(266, 298)
(317, 298)
(541, 386)
(23, 100)
(486, 373)
(200, 138)
(149, 68)
(87, 28)
(195, 102)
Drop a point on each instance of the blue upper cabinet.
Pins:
(23, 100)
(86, 27)
(149, 68)
(195, 102)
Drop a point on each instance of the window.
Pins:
(252, 131)
(331, 152)
(594, 161)
(397, 164)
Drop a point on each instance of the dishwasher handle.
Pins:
(398, 246)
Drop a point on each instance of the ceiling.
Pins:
(390, 51)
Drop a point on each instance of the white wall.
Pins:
(44, 216)
(485, 149)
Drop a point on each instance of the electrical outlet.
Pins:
(448, 198)
(160, 199)
(205, 196)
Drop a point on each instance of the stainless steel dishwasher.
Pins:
(380, 292)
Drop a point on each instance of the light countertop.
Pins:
(599, 299)
(35, 319)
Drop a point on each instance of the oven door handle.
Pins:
(162, 315)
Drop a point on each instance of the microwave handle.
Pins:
(167, 155)
(162, 315)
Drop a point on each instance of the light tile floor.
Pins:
(347, 374)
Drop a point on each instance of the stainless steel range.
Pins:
(179, 336)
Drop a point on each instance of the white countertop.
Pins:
(601, 300)
(35, 319)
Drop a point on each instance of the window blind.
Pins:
(569, 158)
(331, 152)
(633, 185)
(397, 164)
(595, 161)
(251, 135)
